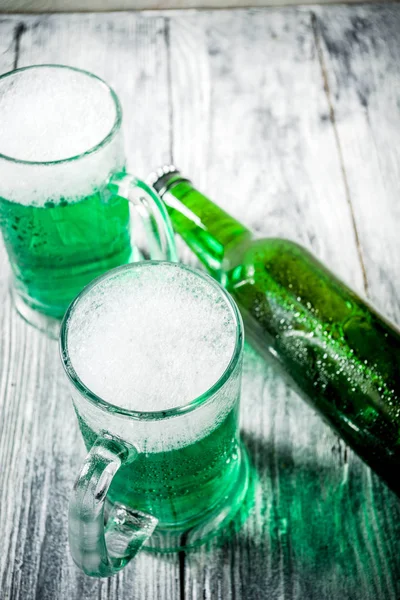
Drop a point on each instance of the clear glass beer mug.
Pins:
(153, 353)
(65, 196)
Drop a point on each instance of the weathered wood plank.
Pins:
(40, 445)
(251, 125)
(7, 43)
(361, 52)
(36, 6)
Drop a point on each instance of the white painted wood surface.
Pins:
(38, 6)
(290, 119)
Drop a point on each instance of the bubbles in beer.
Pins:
(151, 338)
(52, 114)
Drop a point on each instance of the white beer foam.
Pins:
(51, 114)
(151, 338)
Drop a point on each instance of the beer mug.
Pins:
(65, 195)
(153, 354)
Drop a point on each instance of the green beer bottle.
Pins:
(341, 354)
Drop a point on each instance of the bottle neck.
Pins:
(207, 229)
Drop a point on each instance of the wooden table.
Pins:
(290, 118)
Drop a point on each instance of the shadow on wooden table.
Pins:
(313, 531)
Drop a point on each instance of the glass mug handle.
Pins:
(152, 212)
(102, 550)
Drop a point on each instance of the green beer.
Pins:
(59, 247)
(178, 485)
(64, 192)
(339, 352)
(153, 351)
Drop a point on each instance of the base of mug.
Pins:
(232, 509)
(49, 325)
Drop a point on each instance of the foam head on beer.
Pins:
(47, 114)
(151, 338)
(58, 115)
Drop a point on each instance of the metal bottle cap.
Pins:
(164, 178)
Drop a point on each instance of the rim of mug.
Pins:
(200, 400)
(106, 140)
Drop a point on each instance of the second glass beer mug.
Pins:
(153, 352)
(65, 196)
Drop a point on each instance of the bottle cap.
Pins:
(163, 178)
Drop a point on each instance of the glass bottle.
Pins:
(339, 351)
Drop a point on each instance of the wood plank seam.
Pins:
(332, 117)
(167, 37)
(20, 29)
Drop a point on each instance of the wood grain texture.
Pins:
(38, 6)
(259, 138)
(289, 118)
(364, 91)
(40, 447)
